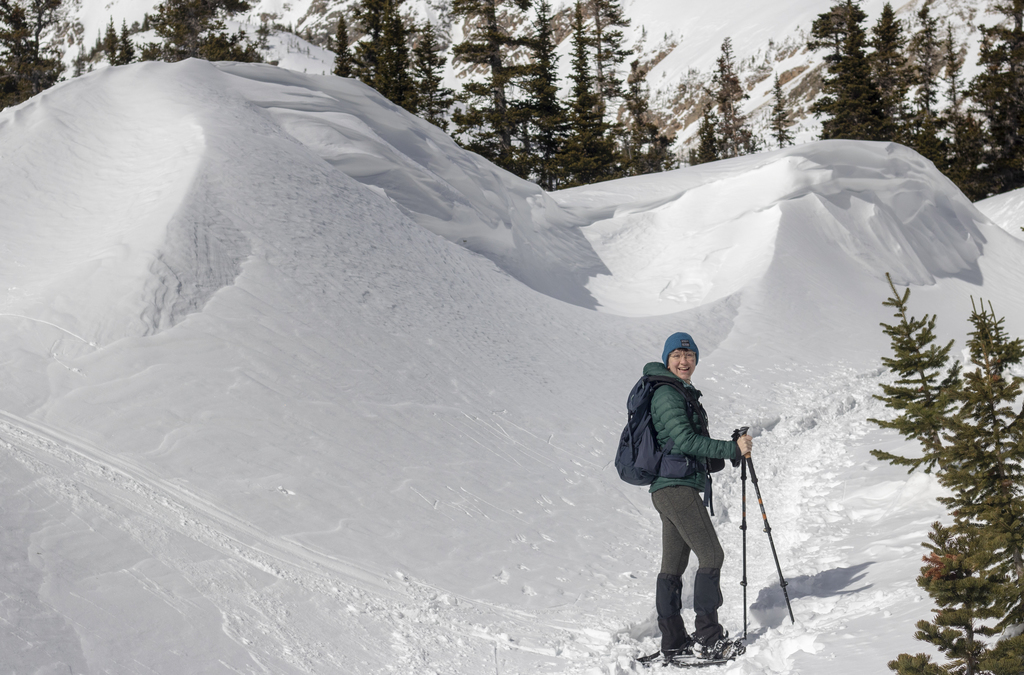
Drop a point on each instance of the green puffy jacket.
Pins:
(668, 412)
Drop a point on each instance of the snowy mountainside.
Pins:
(1006, 211)
(294, 384)
(680, 40)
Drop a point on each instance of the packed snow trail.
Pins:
(331, 395)
(847, 528)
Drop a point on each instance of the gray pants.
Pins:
(685, 527)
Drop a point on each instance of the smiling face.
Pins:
(681, 363)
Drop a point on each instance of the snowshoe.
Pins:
(722, 649)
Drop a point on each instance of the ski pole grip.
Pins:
(742, 431)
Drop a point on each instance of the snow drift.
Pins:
(691, 241)
(301, 386)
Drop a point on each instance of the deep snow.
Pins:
(294, 384)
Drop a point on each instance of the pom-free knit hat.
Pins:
(679, 341)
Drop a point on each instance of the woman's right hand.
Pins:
(746, 444)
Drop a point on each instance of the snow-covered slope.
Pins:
(679, 40)
(293, 384)
(1006, 211)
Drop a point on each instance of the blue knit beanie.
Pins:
(679, 341)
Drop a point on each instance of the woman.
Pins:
(685, 523)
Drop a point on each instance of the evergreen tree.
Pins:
(952, 69)
(588, 155)
(851, 104)
(125, 46)
(393, 76)
(27, 65)
(197, 29)
(828, 31)
(487, 121)
(923, 401)
(110, 42)
(889, 69)
(609, 52)
(646, 148)
(955, 578)
(966, 138)
(927, 143)
(371, 17)
(433, 99)
(779, 120)
(926, 52)
(343, 65)
(927, 55)
(984, 464)
(998, 93)
(966, 155)
(976, 566)
(734, 135)
(546, 122)
(708, 148)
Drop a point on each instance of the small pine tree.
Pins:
(433, 99)
(926, 52)
(125, 47)
(343, 65)
(852, 104)
(952, 71)
(488, 121)
(779, 120)
(984, 463)
(646, 149)
(393, 76)
(966, 153)
(890, 70)
(965, 143)
(588, 155)
(370, 16)
(708, 148)
(734, 135)
(110, 43)
(955, 578)
(547, 123)
(609, 52)
(923, 401)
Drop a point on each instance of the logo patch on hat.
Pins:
(684, 344)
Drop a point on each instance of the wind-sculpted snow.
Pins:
(686, 241)
(292, 384)
(440, 186)
(84, 236)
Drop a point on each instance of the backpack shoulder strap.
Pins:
(693, 406)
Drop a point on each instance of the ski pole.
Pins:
(742, 431)
(768, 530)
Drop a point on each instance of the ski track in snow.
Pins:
(804, 453)
(152, 511)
